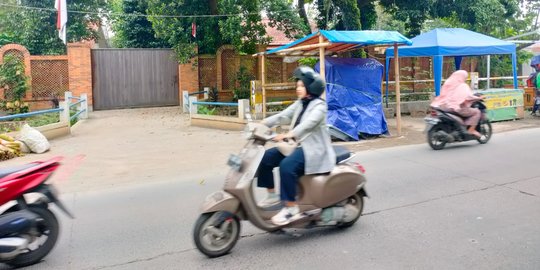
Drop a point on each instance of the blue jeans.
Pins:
(536, 104)
(290, 170)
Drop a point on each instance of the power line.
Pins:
(138, 15)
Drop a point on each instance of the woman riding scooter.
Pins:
(314, 156)
(457, 96)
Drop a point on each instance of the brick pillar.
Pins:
(188, 76)
(80, 69)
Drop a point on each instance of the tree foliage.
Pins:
(282, 15)
(6, 38)
(385, 21)
(412, 12)
(244, 30)
(133, 31)
(338, 15)
(485, 16)
(36, 29)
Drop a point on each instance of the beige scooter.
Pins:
(334, 199)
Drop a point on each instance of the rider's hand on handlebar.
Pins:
(479, 96)
(281, 137)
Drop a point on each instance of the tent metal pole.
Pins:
(398, 93)
(488, 72)
(514, 70)
(387, 69)
(263, 84)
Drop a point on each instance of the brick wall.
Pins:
(80, 69)
(50, 76)
(189, 78)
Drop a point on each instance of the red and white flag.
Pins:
(193, 29)
(61, 21)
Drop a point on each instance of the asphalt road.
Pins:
(468, 206)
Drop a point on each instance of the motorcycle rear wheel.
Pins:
(485, 129)
(47, 225)
(432, 139)
(215, 240)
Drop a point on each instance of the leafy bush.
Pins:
(213, 95)
(243, 79)
(15, 82)
(208, 110)
(309, 61)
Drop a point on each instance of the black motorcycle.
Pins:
(444, 127)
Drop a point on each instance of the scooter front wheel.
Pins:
(215, 234)
(44, 238)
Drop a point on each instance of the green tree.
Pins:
(368, 14)
(244, 30)
(412, 12)
(6, 38)
(36, 29)
(249, 22)
(385, 21)
(347, 14)
(133, 31)
(303, 14)
(338, 15)
(485, 16)
(282, 16)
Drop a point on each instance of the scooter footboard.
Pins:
(220, 201)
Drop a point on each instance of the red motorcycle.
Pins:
(28, 229)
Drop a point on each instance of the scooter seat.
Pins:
(454, 115)
(342, 153)
(7, 171)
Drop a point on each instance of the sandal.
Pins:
(476, 134)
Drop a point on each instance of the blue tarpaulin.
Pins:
(454, 42)
(353, 93)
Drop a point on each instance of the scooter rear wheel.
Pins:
(214, 237)
(357, 201)
(485, 129)
(48, 230)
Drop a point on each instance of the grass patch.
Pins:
(43, 119)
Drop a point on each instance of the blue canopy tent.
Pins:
(340, 41)
(325, 42)
(454, 42)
